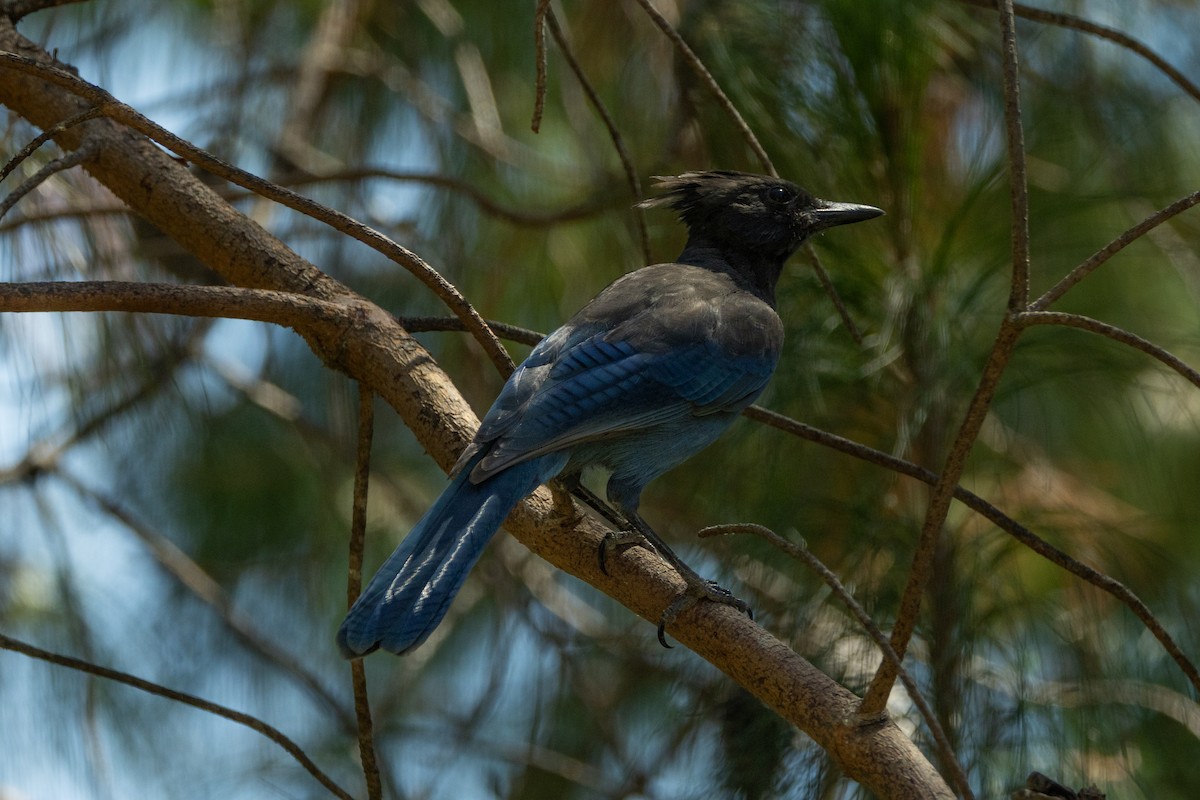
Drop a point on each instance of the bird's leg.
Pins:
(574, 485)
(698, 588)
(612, 539)
(621, 536)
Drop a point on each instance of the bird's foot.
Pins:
(695, 592)
(617, 540)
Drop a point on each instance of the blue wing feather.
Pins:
(593, 387)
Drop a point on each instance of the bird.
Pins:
(647, 374)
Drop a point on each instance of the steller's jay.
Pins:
(644, 376)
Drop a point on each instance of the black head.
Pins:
(753, 216)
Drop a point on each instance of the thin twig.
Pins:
(939, 506)
(631, 173)
(47, 135)
(706, 77)
(192, 577)
(307, 87)
(1115, 333)
(234, 302)
(358, 530)
(362, 475)
(1111, 34)
(832, 293)
(996, 517)
(940, 498)
(44, 455)
(802, 553)
(539, 49)
(253, 723)
(1018, 183)
(356, 230)
(66, 162)
(488, 206)
(1112, 248)
(513, 333)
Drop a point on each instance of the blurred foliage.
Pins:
(230, 441)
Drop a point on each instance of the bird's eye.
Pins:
(779, 196)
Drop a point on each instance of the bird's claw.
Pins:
(617, 539)
(704, 590)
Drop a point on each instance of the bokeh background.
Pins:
(175, 493)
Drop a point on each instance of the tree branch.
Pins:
(46, 135)
(188, 574)
(1112, 248)
(358, 531)
(874, 754)
(16, 9)
(956, 460)
(253, 723)
(800, 552)
(234, 302)
(369, 345)
(62, 164)
(998, 518)
(631, 174)
(1111, 34)
(1018, 182)
(539, 51)
(1116, 334)
(692, 60)
(122, 113)
(294, 310)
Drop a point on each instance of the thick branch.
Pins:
(122, 113)
(16, 9)
(876, 754)
(800, 552)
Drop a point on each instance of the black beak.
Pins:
(828, 213)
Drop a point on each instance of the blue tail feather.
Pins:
(412, 591)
